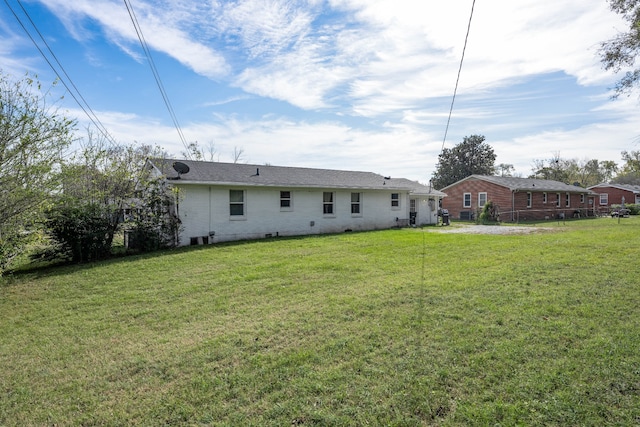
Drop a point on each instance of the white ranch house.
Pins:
(227, 201)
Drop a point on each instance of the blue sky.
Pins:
(345, 84)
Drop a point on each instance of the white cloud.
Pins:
(380, 57)
(265, 28)
(159, 28)
(389, 64)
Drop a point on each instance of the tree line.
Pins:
(473, 156)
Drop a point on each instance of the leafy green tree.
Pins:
(554, 169)
(630, 171)
(99, 186)
(82, 229)
(33, 137)
(584, 173)
(470, 157)
(622, 51)
(153, 224)
(608, 170)
(505, 169)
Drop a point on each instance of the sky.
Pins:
(362, 85)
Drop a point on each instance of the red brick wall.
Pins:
(511, 206)
(615, 196)
(455, 197)
(549, 210)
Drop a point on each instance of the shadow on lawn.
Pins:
(53, 268)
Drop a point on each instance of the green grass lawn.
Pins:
(397, 327)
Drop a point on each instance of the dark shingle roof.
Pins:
(527, 184)
(279, 176)
(628, 187)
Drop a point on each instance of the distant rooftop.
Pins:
(526, 184)
(281, 176)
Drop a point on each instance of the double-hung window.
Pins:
(328, 203)
(604, 199)
(544, 197)
(482, 199)
(567, 199)
(529, 199)
(558, 199)
(466, 200)
(395, 200)
(236, 203)
(285, 201)
(356, 204)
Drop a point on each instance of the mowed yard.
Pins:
(402, 327)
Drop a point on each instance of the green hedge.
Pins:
(634, 209)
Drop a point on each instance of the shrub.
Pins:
(154, 225)
(634, 209)
(489, 213)
(83, 230)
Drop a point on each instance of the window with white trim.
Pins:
(582, 198)
(567, 199)
(356, 206)
(236, 203)
(558, 199)
(285, 201)
(482, 199)
(395, 200)
(604, 199)
(466, 200)
(328, 202)
(544, 197)
(529, 196)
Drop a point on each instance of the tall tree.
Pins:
(584, 173)
(630, 171)
(33, 137)
(471, 156)
(608, 170)
(505, 169)
(98, 185)
(554, 169)
(622, 51)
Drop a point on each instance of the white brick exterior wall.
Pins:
(204, 212)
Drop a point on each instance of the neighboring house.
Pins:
(227, 201)
(517, 199)
(612, 194)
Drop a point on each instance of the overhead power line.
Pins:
(67, 81)
(156, 75)
(453, 99)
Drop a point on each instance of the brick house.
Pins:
(220, 202)
(517, 199)
(612, 194)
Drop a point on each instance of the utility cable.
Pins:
(84, 105)
(458, 78)
(156, 75)
(421, 296)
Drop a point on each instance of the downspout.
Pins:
(177, 205)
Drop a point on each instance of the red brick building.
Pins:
(517, 199)
(612, 194)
